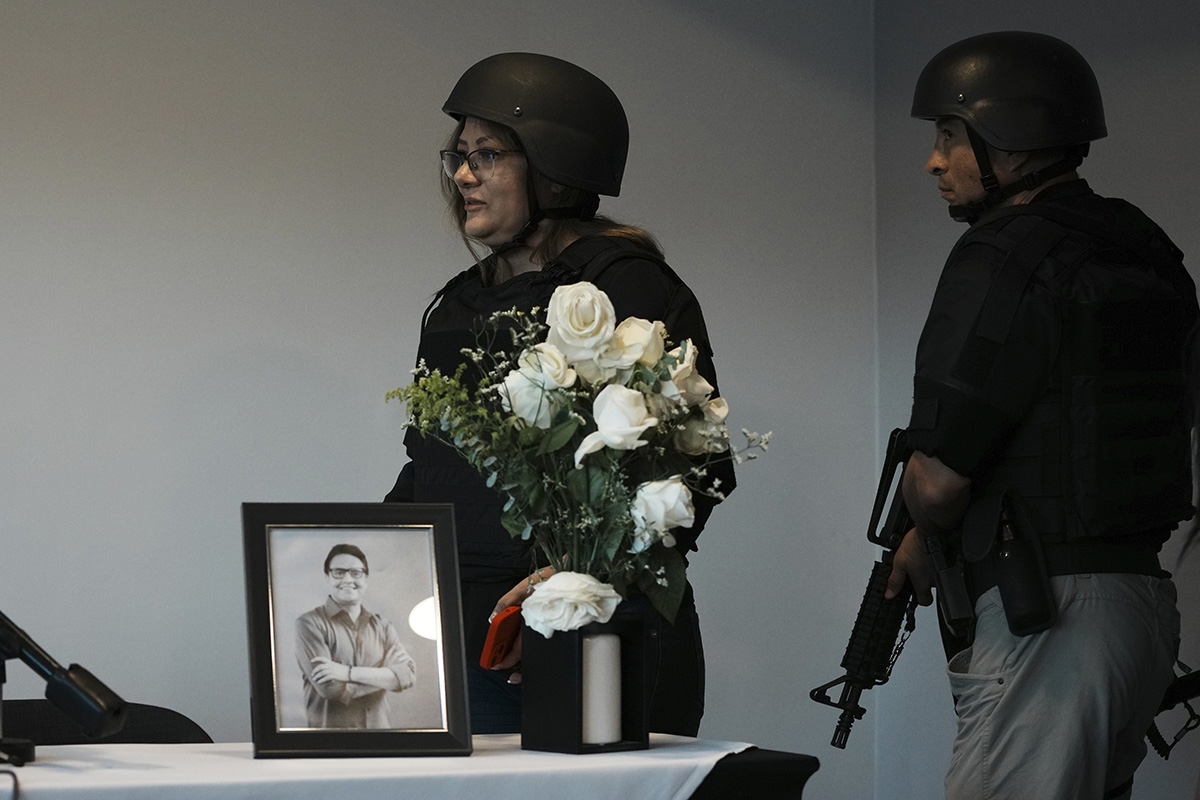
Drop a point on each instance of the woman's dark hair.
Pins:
(349, 550)
(557, 232)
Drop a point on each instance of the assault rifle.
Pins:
(876, 640)
(1185, 688)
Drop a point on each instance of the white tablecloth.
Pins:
(497, 770)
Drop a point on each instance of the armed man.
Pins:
(1049, 428)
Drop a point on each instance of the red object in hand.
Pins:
(503, 631)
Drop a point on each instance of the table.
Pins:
(674, 767)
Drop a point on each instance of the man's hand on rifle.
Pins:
(936, 497)
(911, 563)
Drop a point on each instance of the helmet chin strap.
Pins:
(583, 212)
(523, 234)
(993, 193)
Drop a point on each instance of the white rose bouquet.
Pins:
(597, 435)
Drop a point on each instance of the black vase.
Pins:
(552, 687)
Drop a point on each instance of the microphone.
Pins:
(76, 692)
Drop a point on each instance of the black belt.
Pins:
(1076, 558)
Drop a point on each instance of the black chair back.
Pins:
(42, 723)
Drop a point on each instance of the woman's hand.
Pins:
(515, 597)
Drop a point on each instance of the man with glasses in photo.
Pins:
(350, 657)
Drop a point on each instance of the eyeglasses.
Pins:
(337, 573)
(482, 162)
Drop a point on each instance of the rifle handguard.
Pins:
(875, 643)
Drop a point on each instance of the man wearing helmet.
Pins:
(537, 141)
(1049, 427)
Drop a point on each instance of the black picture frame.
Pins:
(411, 553)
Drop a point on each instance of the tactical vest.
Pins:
(1105, 452)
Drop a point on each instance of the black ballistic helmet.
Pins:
(1019, 91)
(571, 125)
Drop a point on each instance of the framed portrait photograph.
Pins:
(355, 630)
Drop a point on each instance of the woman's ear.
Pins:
(547, 191)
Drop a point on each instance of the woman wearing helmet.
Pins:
(537, 141)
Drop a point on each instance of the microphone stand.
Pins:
(75, 691)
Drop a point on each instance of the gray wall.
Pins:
(1148, 63)
(219, 226)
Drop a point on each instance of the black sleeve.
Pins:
(642, 288)
(402, 492)
(969, 394)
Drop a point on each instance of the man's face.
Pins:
(345, 587)
(953, 163)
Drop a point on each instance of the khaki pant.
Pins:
(1063, 713)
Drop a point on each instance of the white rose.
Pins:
(524, 394)
(567, 601)
(634, 341)
(659, 506)
(705, 433)
(715, 410)
(595, 373)
(692, 386)
(581, 320)
(550, 365)
(700, 435)
(621, 418)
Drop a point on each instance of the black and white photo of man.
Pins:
(350, 657)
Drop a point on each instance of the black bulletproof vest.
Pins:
(1106, 450)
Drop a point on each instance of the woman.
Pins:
(538, 140)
